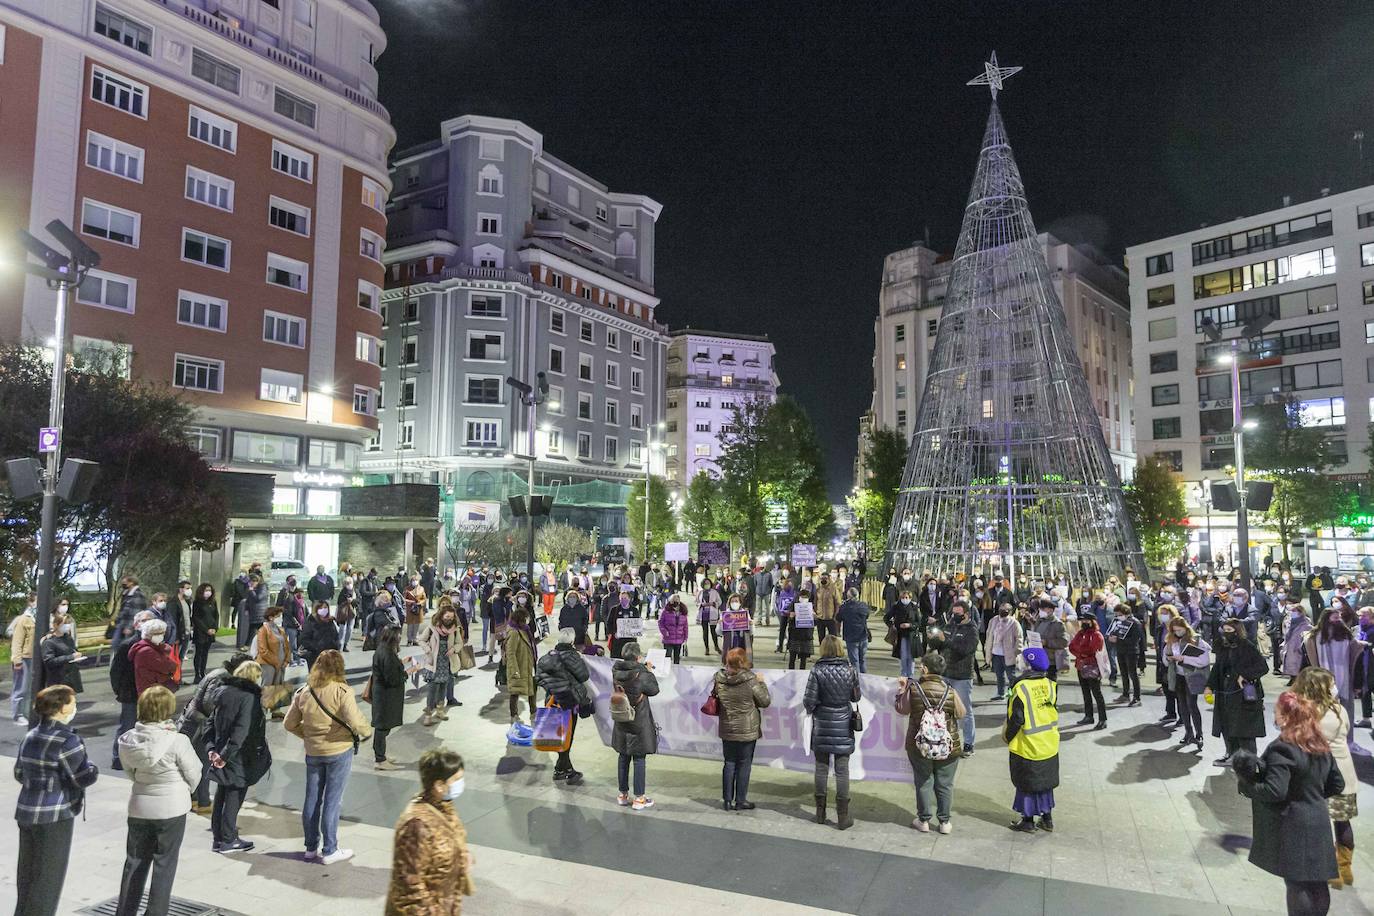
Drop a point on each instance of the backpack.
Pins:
(932, 738)
(622, 710)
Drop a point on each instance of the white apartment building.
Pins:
(1094, 295)
(709, 373)
(1309, 269)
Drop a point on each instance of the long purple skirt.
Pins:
(1033, 804)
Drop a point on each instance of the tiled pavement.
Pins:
(1141, 829)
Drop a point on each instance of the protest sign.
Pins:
(629, 627)
(714, 553)
(676, 551)
(803, 555)
(734, 620)
(803, 615)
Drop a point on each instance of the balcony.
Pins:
(758, 386)
(470, 272)
(231, 31)
(581, 232)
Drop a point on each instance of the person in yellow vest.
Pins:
(1032, 736)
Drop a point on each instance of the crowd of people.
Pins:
(1208, 639)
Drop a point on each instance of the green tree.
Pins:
(1156, 504)
(743, 472)
(1295, 458)
(156, 495)
(662, 524)
(701, 507)
(875, 502)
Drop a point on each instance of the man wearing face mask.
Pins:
(22, 635)
(132, 602)
(827, 604)
(621, 606)
(959, 646)
(1053, 637)
(901, 619)
(1127, 635)
(125, 686)
(1240, 609)
(163, 613)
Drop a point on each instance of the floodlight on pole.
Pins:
(531, 399)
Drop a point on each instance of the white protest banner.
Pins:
(629, 627)
(1033, 639)
(676, 551)
(658, 658)
(803, 615)
(685, 731)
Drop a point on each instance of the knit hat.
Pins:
(1036, 658)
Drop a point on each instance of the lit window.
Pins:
(365, 400)
(282, 387)
(1159, 296)
(987, 409)
(114, 156)
(901, 362)
(703, 450)
(727, 379)
(1159, 264)
(553, 441)
(1367, 254)
(198, 373)
(365, 349)
(201, 311)
(374, 195)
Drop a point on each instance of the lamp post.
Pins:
(63, 273)
(531, 396)
(1204, 496)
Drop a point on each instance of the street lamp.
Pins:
(1253, 328)
(531, 396)
(63, 273)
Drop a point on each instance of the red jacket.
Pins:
(153, 666)
(1084, 647)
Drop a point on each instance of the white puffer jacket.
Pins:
(164, 769)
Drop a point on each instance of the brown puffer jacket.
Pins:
(429, 873)
(741, 694)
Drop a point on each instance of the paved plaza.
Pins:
(1142, 829)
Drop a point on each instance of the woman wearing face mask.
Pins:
(345, 612)
(520, 656)
(1296, 627)
(737, 639)
(900, 619)
(152, 658)
(673, 627)
(1003, 646)
(1190, 662)
(1126, 635)
(60, 657)
(1089, 657)
(1237, 695)
(441, 640)
(431, 868)
(53, 772)
(204, 626)
(1317, 686)
(415, 604)
(1332, 645)
(708, 615)
(320, 633)
(621, 605)
(270, 647)
(1163, 616)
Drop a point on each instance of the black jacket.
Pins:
(575, 616)
(58, 667)
(561, 672)
(1232, 714)
(179, 613)
(959, 649)
(1288, 789)
(320, 590)
(899, 614)
(204, 619)
(388, 690)
(943, 600)
(832, 685)
(122, 674)
(317, 636)
(238, 733)
(1130, 637)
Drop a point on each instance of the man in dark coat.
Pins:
(132, 602)
(429, 575)
(367, 593)
(1238, 696)
(320, 587)
(124, 685)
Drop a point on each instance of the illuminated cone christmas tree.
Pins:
(1008, 470)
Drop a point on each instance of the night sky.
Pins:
(793, 144)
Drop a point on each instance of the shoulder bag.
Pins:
(352, 734)
(712, 705)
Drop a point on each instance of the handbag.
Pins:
(352, 734)
(856, 719)
(466, 659)
(369, 643)
(892, 636)
(552, 729)
(712, 705)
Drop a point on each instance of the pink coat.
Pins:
(673, 627)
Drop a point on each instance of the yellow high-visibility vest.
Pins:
(1038, 738)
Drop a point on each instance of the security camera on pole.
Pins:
(63, 272)
(531, 396)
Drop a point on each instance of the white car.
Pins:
(276, 578)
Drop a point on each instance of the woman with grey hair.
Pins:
(563, 675)
(634, 735)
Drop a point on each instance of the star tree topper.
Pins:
(993, 75)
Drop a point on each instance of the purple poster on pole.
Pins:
(714, 553)
(734, 620)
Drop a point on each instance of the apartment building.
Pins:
(504, 260)
(1305, 273)
(227, 158)
(709, 374)
(1093, 293)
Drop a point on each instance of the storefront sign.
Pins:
(319, 479)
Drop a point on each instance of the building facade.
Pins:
(1307, 270)
(227, 158)
(709, 374)
(506, 261)
(1094, 294)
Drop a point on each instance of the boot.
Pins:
(1344, 860)
(428, 718)
(842, 813)
(820, 809)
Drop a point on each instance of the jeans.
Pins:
(1000, 668)
(1130, 673)
(325, 778)
(19, 698)
(411, 630)
(1111, 657)
(152, 846)
(934, 783)
(904, 648)
(622, 770)
(858, 655)
(128, 715)
(964, 687)
(1092, 693)
(293, 639)
(345, 634)
(43, 853)
(841, 774)
(734, 775)
(224, 818)
(486, 630)
(783, 623)
(674, 652)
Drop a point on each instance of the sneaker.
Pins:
(338, 855)
(642, 802)
(945, 828)
(384, 765)
(574, 777)
(741, 806)
(920, 826)
(968, 752)
(235, 846)
(1025, 825)
(1363, 723)
(311, 855)
(1222, 761)
(21, 721)
(622, 800)
(560, 775)
(996, 697)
